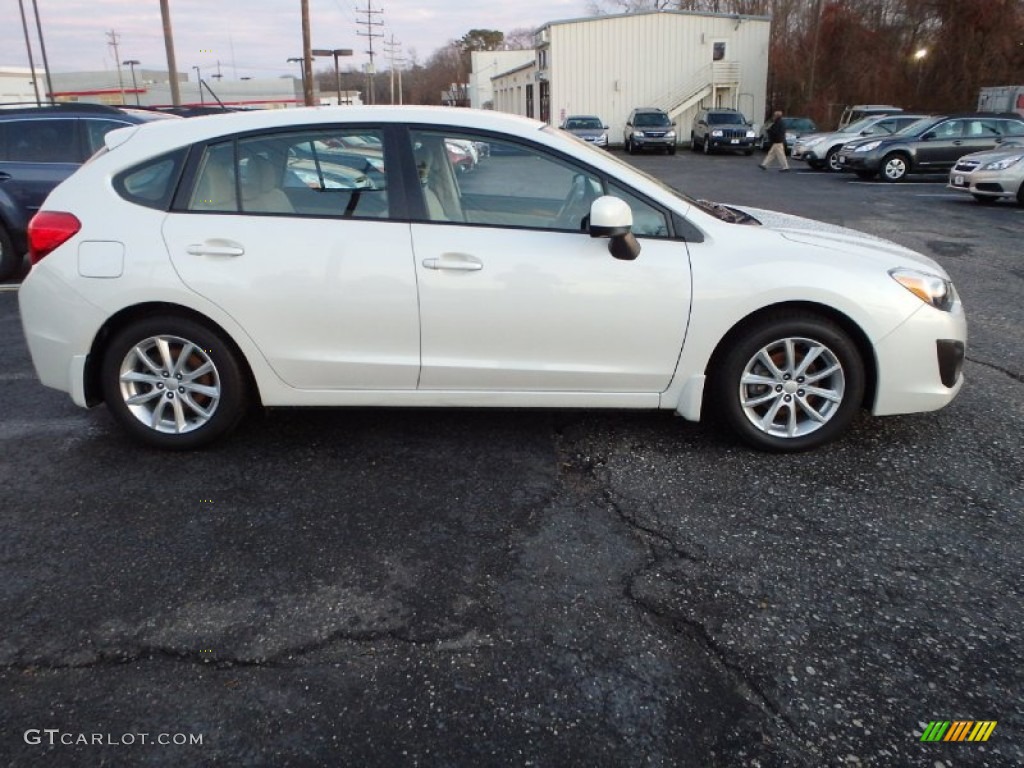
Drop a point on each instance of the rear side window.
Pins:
(329, 172)
(43, 141)
(96, 129)
(153, 182)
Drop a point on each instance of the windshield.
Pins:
(799, 124)
(863, 124)
(652, 119)
(918, 126)
(726, 118)
(590, 123)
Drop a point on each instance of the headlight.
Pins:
(931, 289)
(1000, 165)
(638, 134)
(867, 147)
(751, 135)
(670, 135)
(602, 139)
(716, 132)
(811, 142)
(790, 137)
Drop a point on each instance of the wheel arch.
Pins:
(844, 321)
(132, 314)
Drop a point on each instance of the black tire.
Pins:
(832, 159)
(706, 146)
(629, 147)
(1020, 195)
(782, 408)
(866, 175)
(214, 414)
(985, 199)
(671, 150)
(10, 262)
(895, 167)
(748, 152)
(693, 143)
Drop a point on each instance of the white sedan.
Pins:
(179, 276)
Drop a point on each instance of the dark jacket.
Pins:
(777, 132)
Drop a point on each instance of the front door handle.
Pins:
(218, 248)
(457, 262)
(5, 176)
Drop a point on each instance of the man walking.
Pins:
(777, 137)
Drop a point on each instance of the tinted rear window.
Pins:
(153, 182)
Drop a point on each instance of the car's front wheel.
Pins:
(832, 160)
(1020, 195)
(895, 167)
(707, 146)
(790, 382)
(173, 383)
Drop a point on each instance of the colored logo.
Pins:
(958, 730)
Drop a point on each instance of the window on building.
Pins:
(718, 51)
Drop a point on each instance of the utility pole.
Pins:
(307, 57)
(369, 34)
(172, 65)
(42, 48)
(28, 47)
(392, 47)
(117, 60)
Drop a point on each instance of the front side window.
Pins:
(479, 180)
(951, 129)
(330, 172)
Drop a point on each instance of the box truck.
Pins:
(1002, 98)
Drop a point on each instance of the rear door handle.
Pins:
(215, 249)
(457, 262)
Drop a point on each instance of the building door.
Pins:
(529, 100)
(545, 101)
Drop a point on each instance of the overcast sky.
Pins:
(251, 38)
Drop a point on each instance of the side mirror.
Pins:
(604, 127)
(612, 218)
(928, 136)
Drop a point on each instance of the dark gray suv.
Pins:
(722, 129)
(649, 128)
(39, 148)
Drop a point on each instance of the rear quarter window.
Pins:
(152, 183)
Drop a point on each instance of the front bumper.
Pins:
(920, 363)
(724, 142)
(859, 161)
(994, 184)
(640, 142)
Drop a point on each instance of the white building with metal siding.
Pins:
(675, 60)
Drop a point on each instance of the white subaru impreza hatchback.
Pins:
(334, 257)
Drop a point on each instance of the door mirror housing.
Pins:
(612, 218)
(928, 136)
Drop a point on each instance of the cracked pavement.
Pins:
(452, 588)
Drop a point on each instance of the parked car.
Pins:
(588, 128)
(931, 145)
(989, 176)
(553, 276)
(795, 128)
(857, 112)
(721, 128)
(821, 150)
(649, 128)
(39, 148)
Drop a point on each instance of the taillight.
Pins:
(49, 230)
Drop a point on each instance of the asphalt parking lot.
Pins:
(478, 588)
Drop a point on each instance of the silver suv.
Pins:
(649, 128)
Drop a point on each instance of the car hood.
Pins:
(990, 155)
(586, 133)
(836, 238)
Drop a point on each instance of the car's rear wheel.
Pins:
(790, 382)
(832, 160)
(9, 260)
(173, 383)
(895, 167)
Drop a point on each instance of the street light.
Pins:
(133, 63)
(302, 69)
(335, 52)
(199, 79)
(919, 57)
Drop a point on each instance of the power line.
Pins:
(369, 34)
(117, 60)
